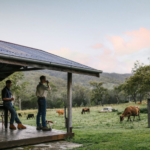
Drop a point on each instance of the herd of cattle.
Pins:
(60, 112)
(28, 117)
(128, 112)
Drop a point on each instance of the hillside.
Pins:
(109, 79)
(59, 78)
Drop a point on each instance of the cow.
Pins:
(85, 110)
(130, 111)
(19, 114)
(30, 116)
(60, 112)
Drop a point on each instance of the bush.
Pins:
(143, 110)
(16, 108)
(114, 110)
(126, 101)
(119, 113)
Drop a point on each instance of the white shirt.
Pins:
(41, 90)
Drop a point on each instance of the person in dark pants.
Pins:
(41, 93)
(6, 97)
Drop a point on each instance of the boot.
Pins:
(12, 127)
(20, 126)
(46, 129)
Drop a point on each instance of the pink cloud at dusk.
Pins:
(137, 40)
(108, 61)
(120, 58)
(73, 55)
(98, 45)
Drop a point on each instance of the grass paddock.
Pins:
(102, 131)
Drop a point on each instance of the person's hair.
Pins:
(42, 77)
(8, 81)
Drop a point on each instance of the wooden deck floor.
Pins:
(13, 138)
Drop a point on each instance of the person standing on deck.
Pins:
(41, 93)
(6, 97)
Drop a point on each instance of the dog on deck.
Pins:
(50, 123)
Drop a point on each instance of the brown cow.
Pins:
(60, 112)
(85, 110)
(130, 111)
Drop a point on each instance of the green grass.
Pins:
(103, 131)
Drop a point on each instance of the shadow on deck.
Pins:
(13, 138)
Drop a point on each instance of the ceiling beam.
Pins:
(17, 70)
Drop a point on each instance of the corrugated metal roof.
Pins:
(25, 52)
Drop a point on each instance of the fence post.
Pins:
(148, 109)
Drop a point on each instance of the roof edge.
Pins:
(48, 63)
(42, 51)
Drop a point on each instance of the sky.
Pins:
(108, 35)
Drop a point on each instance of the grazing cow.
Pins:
(19, 114)
(85, 110)
(30, 116)
(60, 112)
(130, 111)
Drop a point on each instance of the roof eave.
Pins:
(71, 68)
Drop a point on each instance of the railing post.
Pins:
(148, 109)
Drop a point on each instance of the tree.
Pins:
(64, 98)
(99, 93)
(138, 85)
(117, 90)
(142, 78)
(18, 87)
(80, 95)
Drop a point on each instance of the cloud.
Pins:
(97, 46)
(120, 57)
(109, 62)
(73, 55)
(135, 41)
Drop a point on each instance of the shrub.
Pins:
(126, 101)
(114, 110)
(119, 113)
(16, 108)
(143, 110)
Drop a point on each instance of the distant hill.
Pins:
(59, 78)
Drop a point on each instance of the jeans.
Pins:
(12, 110)
(41, 112)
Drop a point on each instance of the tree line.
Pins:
(135, 88)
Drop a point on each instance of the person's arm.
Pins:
(48, 88)
(8, 99)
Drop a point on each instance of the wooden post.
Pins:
(6, 117)
(69, 99)
(19, 103)
(65, 117)
(148, 108)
